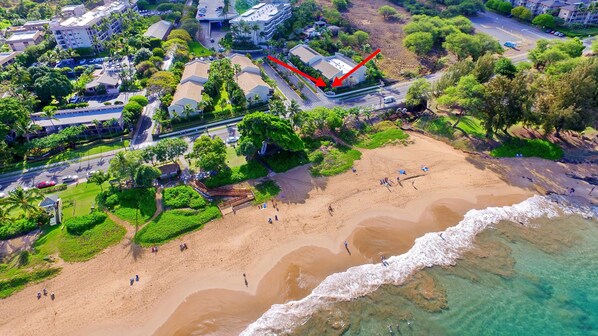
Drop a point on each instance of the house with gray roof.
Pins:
(159, 30)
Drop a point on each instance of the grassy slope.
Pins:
(382, 138)
(265, 191)
(128, 208)
(171, 224)
(77, 199)
(198, 49)
(528, 147)
(91, 242)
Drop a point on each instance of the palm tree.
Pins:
(97, 124)
(22, 199)
(293, 109)
(262, 35)
(24, 126)
(4, 215)
(255, 28)
(99, 178)
(50, 112)
(225, 8)
(237, 70)
(187, 111)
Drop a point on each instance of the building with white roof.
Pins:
(266, 17)
(109, 116)
(78, 28)
(21, 40)
(332, 66)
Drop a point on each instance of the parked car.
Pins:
(46, 184)
(2, 195)
(389, 99)
(232, 139)
(212, 40)
(89, 173)
(74, 99)
(70, 178)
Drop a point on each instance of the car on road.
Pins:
(389, 99)
(46, 184)
(91, 173)
(2, 195)
(212, 40)
(232, 139)
(70, 178)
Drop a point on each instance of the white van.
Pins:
(389, 99)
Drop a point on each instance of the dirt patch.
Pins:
(388, 36)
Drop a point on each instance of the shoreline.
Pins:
(222, 251)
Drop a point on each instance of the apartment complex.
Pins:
(332, 66)
(190, 90)
(78, 28)
(23, 39)
(265, 17)
(109, 118)
(250, 80)
(571, 11)
(7, 58)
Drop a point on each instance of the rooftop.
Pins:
(159, 29)
(305, 53)
(328, 69)
(260, 12)
(7, 56)
(243, 61)
(25, 35)
(188, 90)
(105, 79)
(196, 68)
(248, 81)
(79, 116)
(93, 15)
(211, 10)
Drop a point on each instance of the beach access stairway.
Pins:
(235, 196)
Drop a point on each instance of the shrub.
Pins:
(336, 161)
(53, 189)
(183, 197)
(15, 228)
(141, 100)
(265, 191)
(173, 223)
(78, 225)
(133, 205)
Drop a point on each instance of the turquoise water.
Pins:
(516, 281)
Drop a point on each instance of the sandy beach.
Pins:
(202, 291)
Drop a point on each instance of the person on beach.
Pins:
(52, 296)
(347, 247)
(245, 278)
(330, 208)
(441, 237)
(45, 292)
(132, 281)
(270, 220)
(276, 218)
(39, 295)
(384, 262)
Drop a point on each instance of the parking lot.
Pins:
(508, 29)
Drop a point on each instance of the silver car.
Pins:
(70, 178)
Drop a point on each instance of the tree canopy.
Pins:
(258, 128)
(210, 153)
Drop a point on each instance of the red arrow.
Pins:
(319, 81)
(339, 81)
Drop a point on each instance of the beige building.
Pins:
(7, 58)
(190, 89)
(571, 11)
(254, 87)
(245, 63)
(19, 41)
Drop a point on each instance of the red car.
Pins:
(46, 184)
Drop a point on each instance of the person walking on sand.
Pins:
(245, 278)
(276, 218)
(270, 220)
(347, 247)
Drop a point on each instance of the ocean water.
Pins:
(526, 269)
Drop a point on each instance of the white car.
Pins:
(232, 139)
(2, 195)
(389, 99)
(70, 178)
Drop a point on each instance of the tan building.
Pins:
(254, 87)
(196, 71)
(19, 41)
(571, 11)
(7, 58)
(245, 63)
(190, 90)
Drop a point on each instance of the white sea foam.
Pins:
(429, 250)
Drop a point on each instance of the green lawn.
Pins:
(335, 161)
(250, 170)
(199, 50)
(173, 223)
(578, 32)
(78, 199)
(382, 137)
(529, 148)
(439, 126)
(265, 191)
(470, 125)
(135, 206)
(14, 279)
(232, 159)
(87, 151)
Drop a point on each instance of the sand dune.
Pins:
(202, 290)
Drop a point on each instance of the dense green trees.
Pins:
(168, 149)
(261, 128)
(418, 93)
(521, 13)
(210, 153)
(455, 35)
(548, 52)
(544, 20)
(504, 7)
(388, 13)
(465, 96)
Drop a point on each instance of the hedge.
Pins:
(16, 227)
(78, 225)
(53, 189)
(183, 197)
